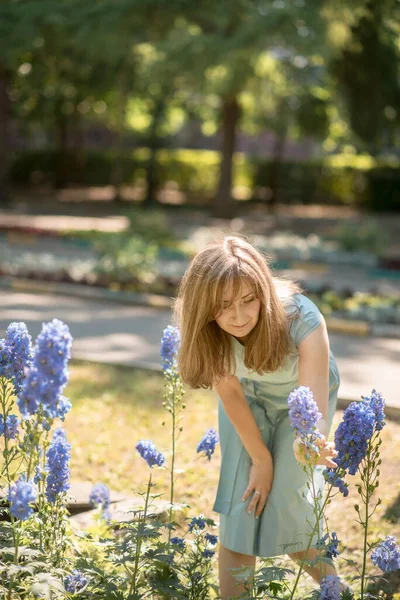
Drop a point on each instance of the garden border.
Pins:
(335, 325)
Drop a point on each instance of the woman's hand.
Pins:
(325, 457)
(260, 484)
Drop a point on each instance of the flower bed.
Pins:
(43, 557)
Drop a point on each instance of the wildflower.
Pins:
(197, 522)
(386, 555)
(63, 407)
(16, 354)
(58, 456)
(212, 539)
(76, 582)
(10, 427)
(352, 436)
(169, 346)
(106, 515)
(377, 403)
(100, 496)
(149, 452)
(331, 550)
(208, 443)
(330, 588)
(180, 542)
(303, 412)
(48, 374)
(208, 553)
(21, 494)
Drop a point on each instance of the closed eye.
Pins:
(249, 300)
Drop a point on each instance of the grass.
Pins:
(114, 407)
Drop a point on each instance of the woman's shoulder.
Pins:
(305, 317)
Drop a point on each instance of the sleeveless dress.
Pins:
(284, 525)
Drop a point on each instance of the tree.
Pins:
(368, 73)
(219, 45)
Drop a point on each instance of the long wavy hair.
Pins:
(206, 352)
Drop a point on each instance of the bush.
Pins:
(341, 179)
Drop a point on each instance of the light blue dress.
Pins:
(284, 525)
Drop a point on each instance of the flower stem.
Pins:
(173, 413)
(141, 525)
(321, 512)
(365, 525)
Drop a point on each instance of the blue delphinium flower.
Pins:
(149, 452)
(331, 548)
(10, 427)
(208, 553)
(197, 523)
(21, 494)
(170, 342)
(212, 539)
(180, 542)
(352, 436)
(303, 412)
(63, 407)
(75, 582)
(58, 456)
(377, 403)
(100, 496)
(16, 354)
(386, 555)
(333, 476)
(330, 588)
(48, 375)
(351, 441)
(208, 442)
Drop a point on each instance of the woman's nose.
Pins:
(237, 313)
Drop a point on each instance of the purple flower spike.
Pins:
(100, 495)
(303, 412)
(386, 555)
(48, 375)
(10, 428)
(58, 456)
(149, 453)
(170, 342)
(208, 443)
(330, 588)
(20, 496)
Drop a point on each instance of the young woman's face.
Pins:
(239, 315)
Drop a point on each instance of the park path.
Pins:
(130, 335)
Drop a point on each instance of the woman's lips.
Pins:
(241, 326)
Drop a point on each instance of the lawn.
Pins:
(114, 407)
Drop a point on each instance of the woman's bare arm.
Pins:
(314, 373)
(262, 470)
(239, 413)
(314, 370)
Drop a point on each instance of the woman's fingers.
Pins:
(257, 503)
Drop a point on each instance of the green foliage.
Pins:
(367, 236)
(126, 258)
(346, 179)
(372, 49)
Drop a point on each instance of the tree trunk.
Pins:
(223, 206)
(154, 144)
(61, 177)
(5, 115)
(279, 149)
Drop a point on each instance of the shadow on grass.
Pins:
(387, 585)
(126, 385)
(392, 513)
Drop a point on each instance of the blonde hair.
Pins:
(206, 352)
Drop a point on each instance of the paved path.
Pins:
(130, 335)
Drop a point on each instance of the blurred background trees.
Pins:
(263, 100)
